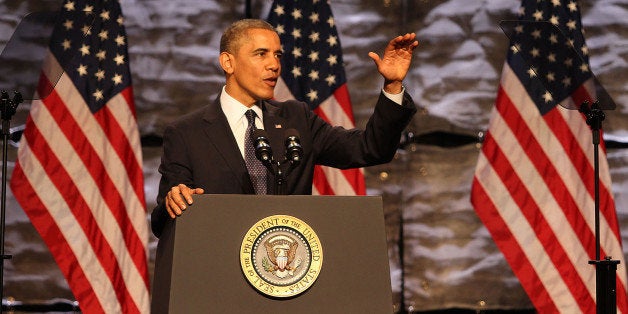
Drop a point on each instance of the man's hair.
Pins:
(237, 32)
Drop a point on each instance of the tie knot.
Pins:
(250, 117)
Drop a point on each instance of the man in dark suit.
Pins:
(204, 151)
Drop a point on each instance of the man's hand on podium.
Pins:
(178, 198)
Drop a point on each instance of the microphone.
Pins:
(294, 151)
(263, 152)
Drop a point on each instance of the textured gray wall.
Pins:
(449, 259)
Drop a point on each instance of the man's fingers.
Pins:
(178, 198)
(375, 57)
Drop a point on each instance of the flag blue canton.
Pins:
(548, 52)
(90, 44)
(312, 65)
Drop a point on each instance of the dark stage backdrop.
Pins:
(449, 259)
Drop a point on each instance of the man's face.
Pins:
(253, 70)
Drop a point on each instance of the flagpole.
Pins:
(605, 270)
(9, 107)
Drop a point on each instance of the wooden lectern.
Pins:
(197, 267)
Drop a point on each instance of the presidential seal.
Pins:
(281, 256)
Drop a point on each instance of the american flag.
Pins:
(534, 182)
(313, 72)
(79, 170)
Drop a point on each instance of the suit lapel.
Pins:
(218, 132)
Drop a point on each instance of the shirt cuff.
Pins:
(397, 98)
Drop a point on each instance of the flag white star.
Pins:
(296, 52)
(296, 33)
(332, 60)
(568, 62)
(296, 72)
(82, 70)
(280, 29)
(314, 37)
(101, 55)
(104, 15)
(535, 52)
(332, 41)
(117, 79)
(87, 30)
(554, 20)
(84, 50)
(68, 24)
(279, 10)
(98, 94)
(330, 79)
(331, 22)
(119, 59)
(536, 33)
(312, 95)
(100, 74)
(538, 15)
(69, 6)
(104, 34)
(567, 81)
(120, 40)
(66, 44)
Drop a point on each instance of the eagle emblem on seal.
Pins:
(281, 251)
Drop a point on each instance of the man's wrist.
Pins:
(394, 87)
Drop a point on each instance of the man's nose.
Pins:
(274, 64)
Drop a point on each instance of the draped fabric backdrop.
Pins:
(441, 255)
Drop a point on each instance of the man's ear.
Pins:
(226, 62)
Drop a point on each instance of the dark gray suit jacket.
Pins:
(201, 151)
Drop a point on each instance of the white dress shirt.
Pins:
(234, 110)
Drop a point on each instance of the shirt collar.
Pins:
(233, 109)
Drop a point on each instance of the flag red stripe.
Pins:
(523, 198)
(127, 93)
(344, 100)
(321, 114)
(320, 182)
(51, 234)
(121, 145)
(545, 166)
(99, 173)
(355, 177)
(81, 211)
(580, 161)
(517, 259)
(137, 177)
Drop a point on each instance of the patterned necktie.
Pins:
(256, 169)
